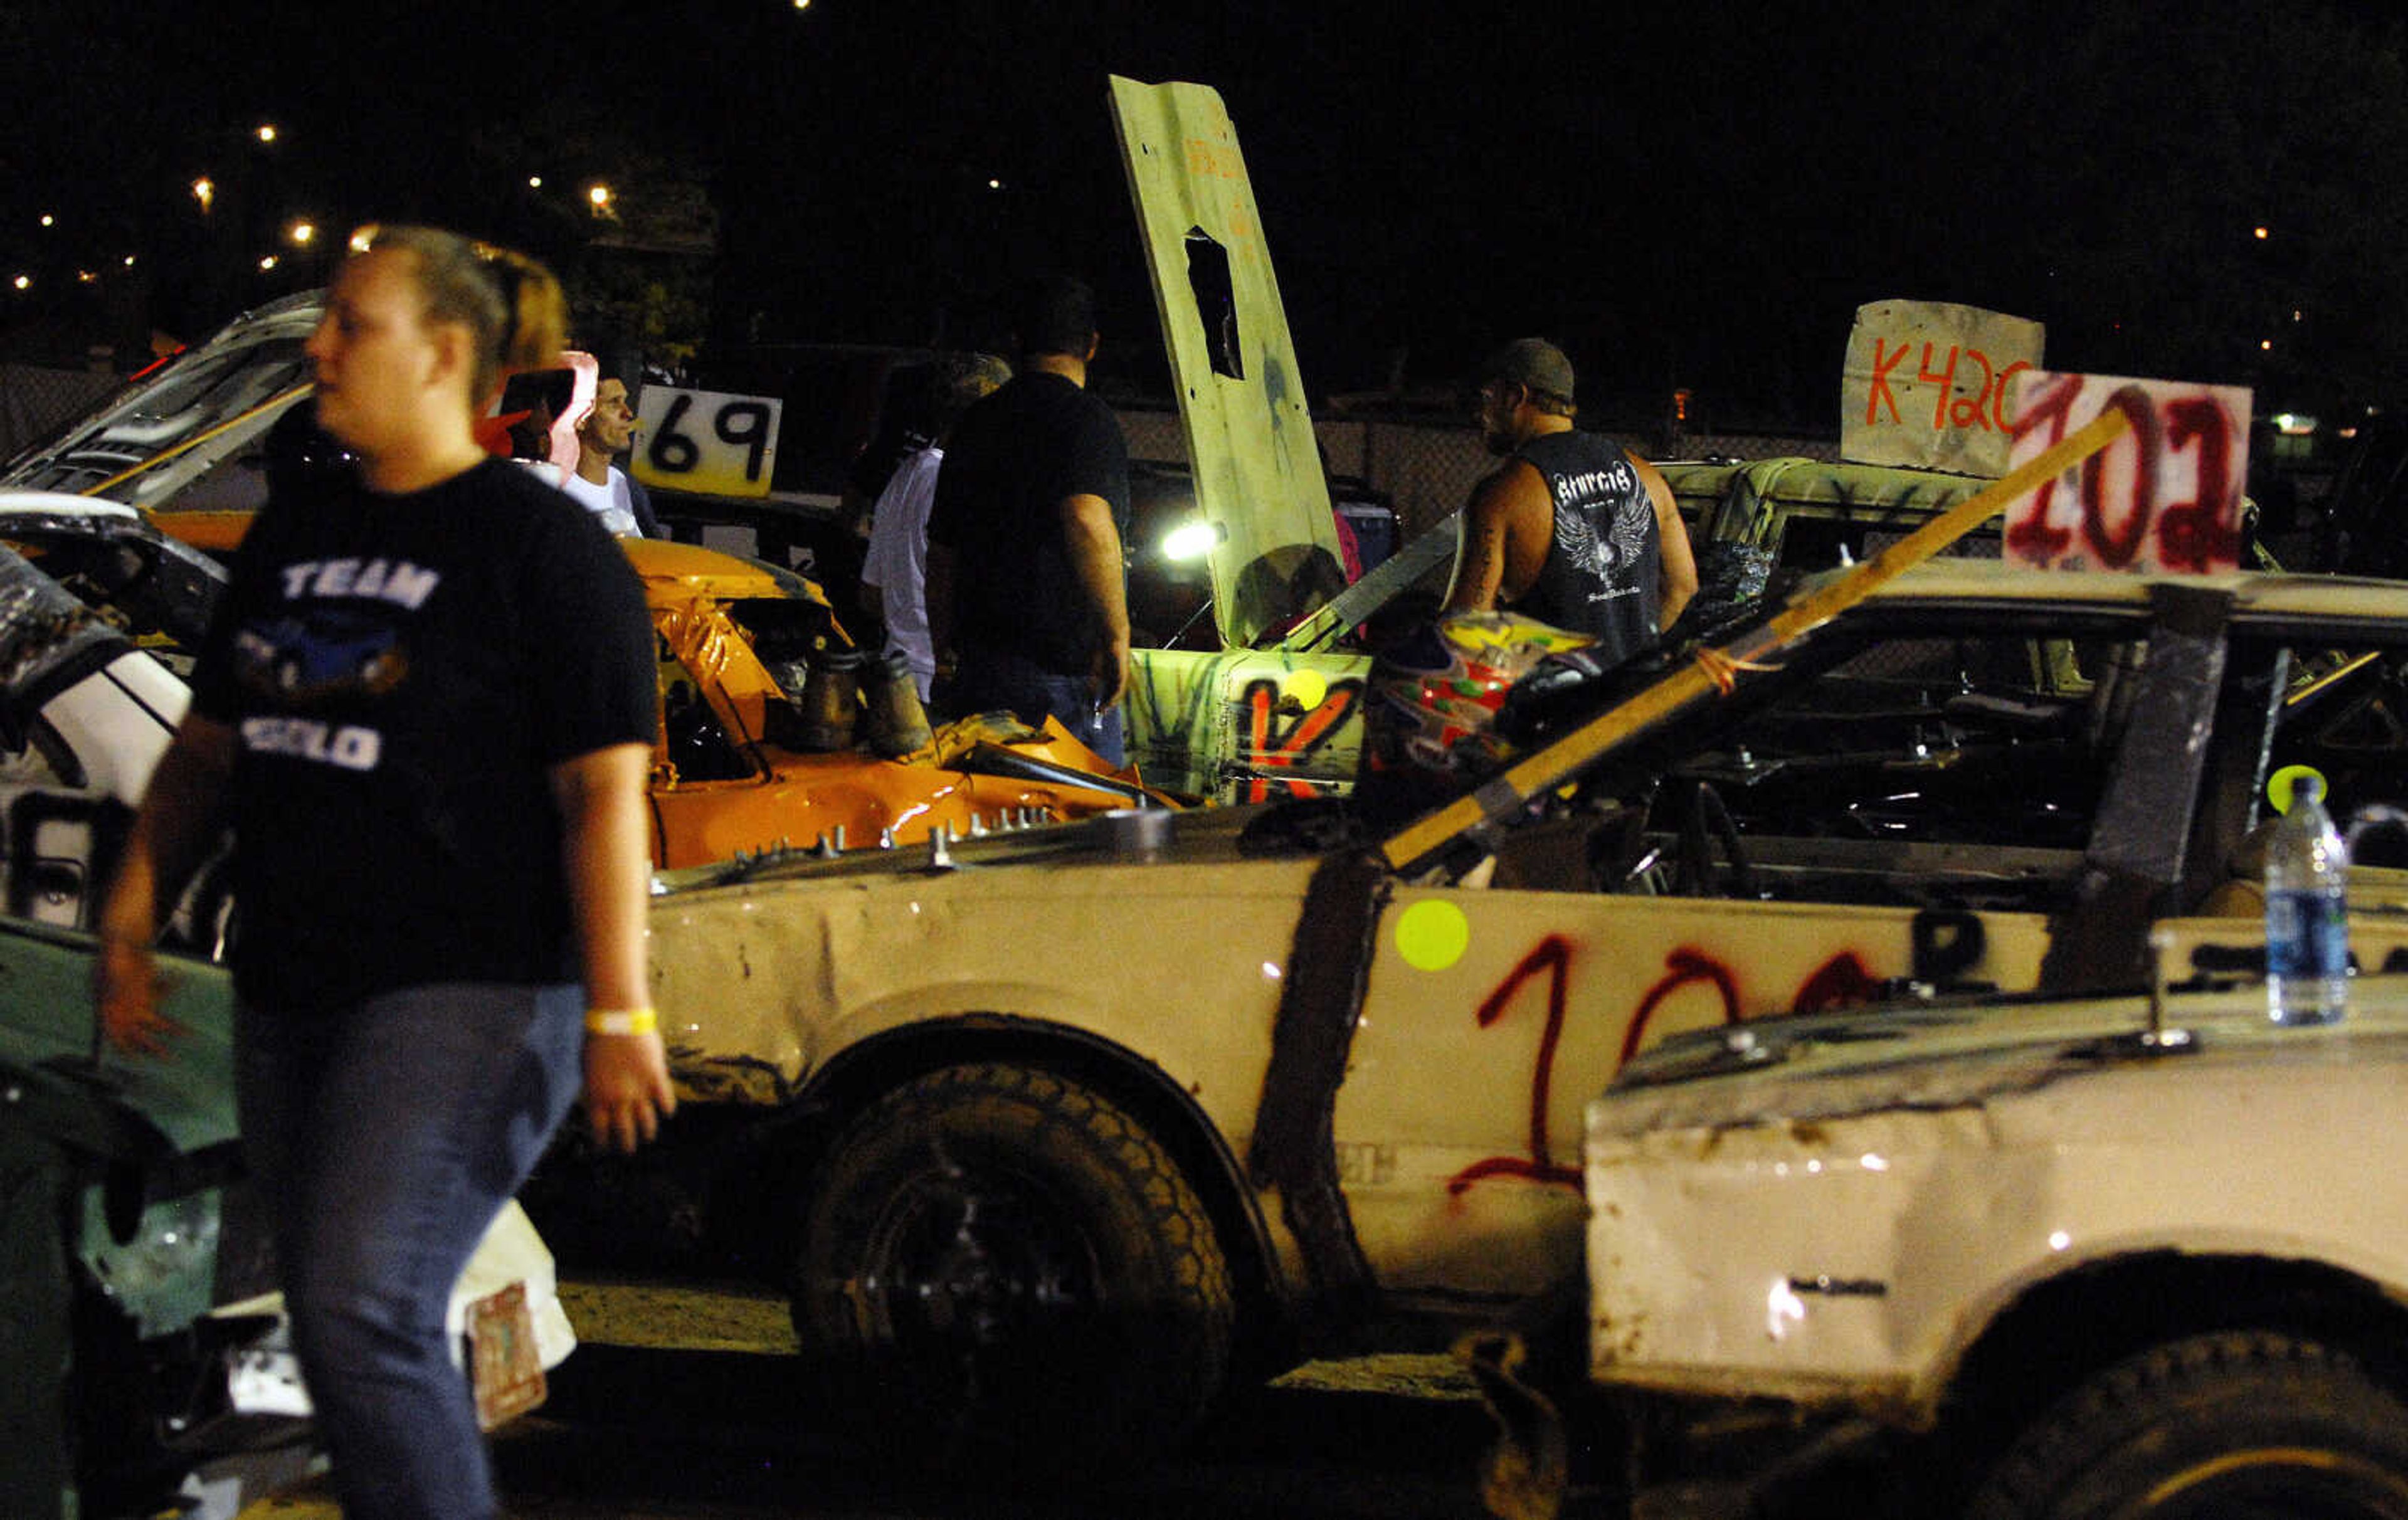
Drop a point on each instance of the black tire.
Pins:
(1000, 1264)
(2222, 1426)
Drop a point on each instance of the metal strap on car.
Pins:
(1295, 1146)
(1714, 669)
(2133, 862)
(281, 398)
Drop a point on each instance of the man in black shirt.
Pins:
(1573, 530)
(1026, 580)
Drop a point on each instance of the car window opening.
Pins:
(1216, 302)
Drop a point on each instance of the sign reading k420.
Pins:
(706, 442)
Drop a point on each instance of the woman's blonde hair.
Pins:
(512, 306)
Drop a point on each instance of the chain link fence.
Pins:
(36, 403)
(1427, 468)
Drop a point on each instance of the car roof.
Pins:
(2026, 603)
(173, 421)
(1953, 580)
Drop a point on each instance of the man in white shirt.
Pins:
(895, 568)
(607, 430)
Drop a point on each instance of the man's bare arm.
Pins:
(1483, 533)
(1094, 544)
(1676, 578)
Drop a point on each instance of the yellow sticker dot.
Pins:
(2279, 785)
(1432, 935)
(1309, 687)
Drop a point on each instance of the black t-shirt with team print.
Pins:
(402, 673)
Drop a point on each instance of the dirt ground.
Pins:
(680, 1405)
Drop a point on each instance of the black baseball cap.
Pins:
(1533, 362)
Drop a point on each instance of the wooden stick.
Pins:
(162, 457)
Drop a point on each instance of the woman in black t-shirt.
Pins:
(426, 709)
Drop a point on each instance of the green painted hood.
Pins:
(1242, 400)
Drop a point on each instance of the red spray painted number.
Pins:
(1842, 982)
(1986, 409)
(2121, 521)
(1552, 955)
(1836, 983)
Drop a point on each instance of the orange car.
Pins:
(731, 770)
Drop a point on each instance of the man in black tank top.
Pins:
(1573, 530)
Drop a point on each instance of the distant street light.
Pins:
(48, 221)
(267, 132)
(2259, 233)
(205, 190)
(301, 234)
(534, 181)
(266, 263)
(24, 282)
(598, 196)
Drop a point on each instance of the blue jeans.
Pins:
(990, 679)
(386, 1135)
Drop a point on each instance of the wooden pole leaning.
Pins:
(198, 439)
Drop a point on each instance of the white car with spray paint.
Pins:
(2127, 1256)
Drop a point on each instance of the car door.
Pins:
(1915, 814)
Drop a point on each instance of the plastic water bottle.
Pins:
(2307, 913)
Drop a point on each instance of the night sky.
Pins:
(1697, 195)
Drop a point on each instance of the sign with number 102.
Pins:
(705, 441)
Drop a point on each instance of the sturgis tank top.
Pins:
(1602, 572)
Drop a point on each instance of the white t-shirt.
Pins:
(897, 561)
(610, 501)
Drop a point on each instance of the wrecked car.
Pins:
(139, 1346)
(1051, 1139)
(734, 768)
(85, 708)
(1262, 695)
(1272, 707)
(148, 1351)
(190, 430)
(2017, 1257)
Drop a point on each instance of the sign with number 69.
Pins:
(706, 441)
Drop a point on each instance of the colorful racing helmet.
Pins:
(1430, 705)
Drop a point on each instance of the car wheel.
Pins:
(2234, 1424)
(999, 1262)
